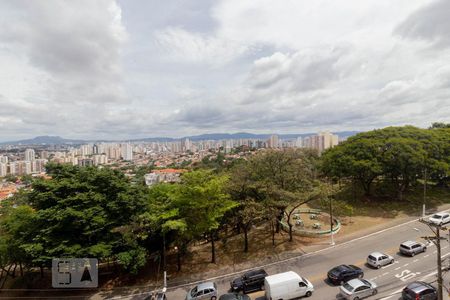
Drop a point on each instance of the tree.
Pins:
(436, 125)
(202, 202)
(80, 213)
(280, 180)
(398, 154)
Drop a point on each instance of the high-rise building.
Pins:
(3, 169)
(321, 141)
(30, 155)
(273, 141)
(39, 165)
(44, 154)
(3, 159)
(127, 152)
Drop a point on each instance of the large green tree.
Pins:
(202, 202)
(80, 213)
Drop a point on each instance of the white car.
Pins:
(356, 289)
(440, 218)
(378, 259)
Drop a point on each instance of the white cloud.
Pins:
(99, 69)
(186, 46)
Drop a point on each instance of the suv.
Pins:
(378, 259)
(419, 290)
(440, 218)
(343, 273)
(412, 248)
(249, 282)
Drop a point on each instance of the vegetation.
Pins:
(399, 156)
(99, 212)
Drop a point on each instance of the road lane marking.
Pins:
(392, 294)
(426, 255)
(384, 274)
(397, 268)
(416, 260)
(428, 275)
(405, 265)
(296, 258)
(390, 265)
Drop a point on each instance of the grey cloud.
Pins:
(430, 23)
(76, 42)
(305, 70)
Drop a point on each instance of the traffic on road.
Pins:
(392, 264)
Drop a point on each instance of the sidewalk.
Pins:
(231, 271)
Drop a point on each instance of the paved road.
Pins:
(390, 279)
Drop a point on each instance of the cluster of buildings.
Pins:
(28, 165)
(162, 154)
(163, 176)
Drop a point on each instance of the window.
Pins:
(301, 284)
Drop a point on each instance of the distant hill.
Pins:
(56, 140)
(44, 140)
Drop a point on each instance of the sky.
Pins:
(123, 69)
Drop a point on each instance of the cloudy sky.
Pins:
(128, 69)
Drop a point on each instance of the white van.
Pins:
(288, 285)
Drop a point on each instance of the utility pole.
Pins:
(424, 191)
(436, 239)
(331, 222)
(439, 263)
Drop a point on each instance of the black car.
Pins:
(234, 296)
(419, 290)
(344, 273)
(249, 282)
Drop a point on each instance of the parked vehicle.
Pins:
(419, 290)
(412, 248)
(234, 296)
(356, 289)
(440, 218)
(206, 290)
(288, 285)
(343, 273)
(378, 259)
(249, 282)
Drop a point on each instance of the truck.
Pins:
(287, 285)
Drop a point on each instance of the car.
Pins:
(412, 248)
(419, 290)
(156, 296)
(234, 296)
(440, 218)
(206, 290)
(249, 282)
(343, 273)
(378, 259)
(356, 289)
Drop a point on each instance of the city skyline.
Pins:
(114, 69)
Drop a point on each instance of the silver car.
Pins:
(412, 248)
(440, 218)
(378, 259)
(356, 289)
(207, 290)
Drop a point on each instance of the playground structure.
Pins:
(311, 223)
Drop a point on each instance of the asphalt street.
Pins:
(390, 279)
